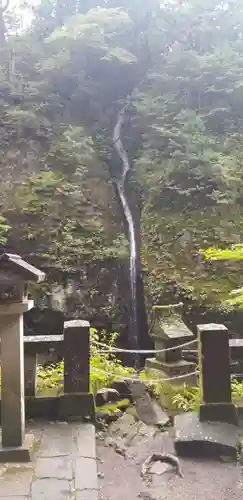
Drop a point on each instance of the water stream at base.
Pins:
(133, 251)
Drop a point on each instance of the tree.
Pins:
(235, 254)
(188, 166)
(66, 77)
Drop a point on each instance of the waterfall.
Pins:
(133, 251)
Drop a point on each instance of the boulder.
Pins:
(148, 410)
(106, 395)
(122, 387)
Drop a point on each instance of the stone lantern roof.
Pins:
(13, 267)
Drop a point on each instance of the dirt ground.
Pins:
(120, 477)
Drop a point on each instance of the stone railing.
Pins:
(73, 345)
(190, 354)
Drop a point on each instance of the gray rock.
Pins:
(160, 468)
(162, 418)
(122, 387)
(148, 410)
(117, 444)
(106, 395)
(137, 388)
(117, 414)
(103, 416)
(123, 426)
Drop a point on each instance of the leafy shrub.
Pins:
(185, 398)
(4, 229)
(237, 391)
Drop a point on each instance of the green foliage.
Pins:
(4, 229)
(184, 398)
(188, 165)
(237, 391)
(188, 398)
(111, 408)
(234, 253)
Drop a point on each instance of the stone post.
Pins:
(76, 356)
(12, 381)
(77, 401)
(30, 374)
(15, 274)
(214, 360)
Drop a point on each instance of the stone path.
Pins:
(64, 466)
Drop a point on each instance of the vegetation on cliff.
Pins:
(63, 78)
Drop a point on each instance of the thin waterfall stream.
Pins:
(133, 248)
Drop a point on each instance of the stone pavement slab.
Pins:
(86, 474)
(14, 482)
(57, 444)
(86, 495)
(86, 443)
(54, 467)
(51, 489)
(64, 465)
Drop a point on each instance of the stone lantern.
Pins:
(169, 332)
(15, 274)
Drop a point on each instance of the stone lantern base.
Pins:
(173, 369)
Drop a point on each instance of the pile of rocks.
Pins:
(111, 403)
